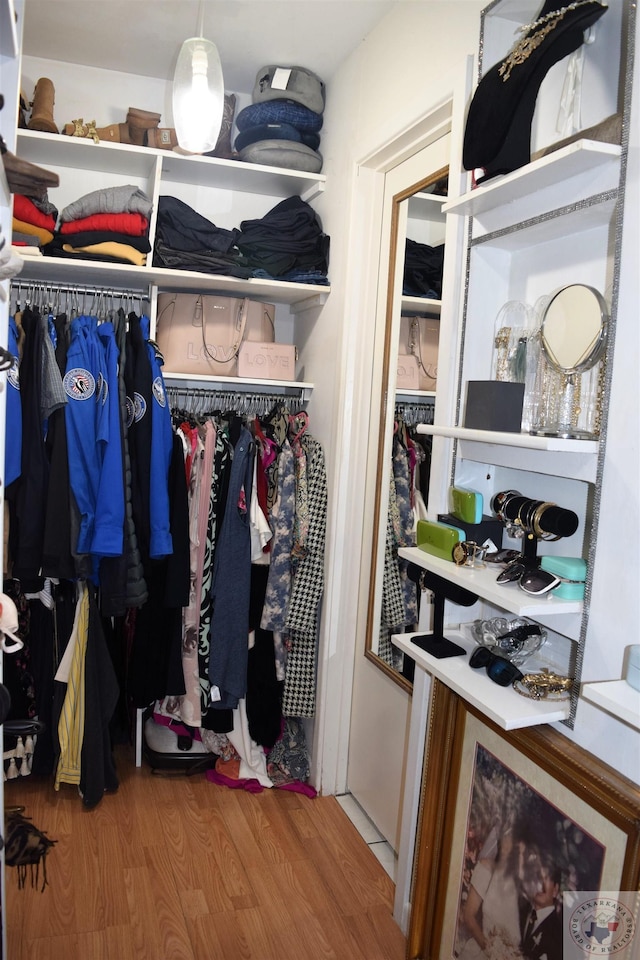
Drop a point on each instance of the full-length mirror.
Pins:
(409, 379)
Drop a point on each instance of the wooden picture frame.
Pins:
(484, 787)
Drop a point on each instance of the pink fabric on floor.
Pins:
(253, 786)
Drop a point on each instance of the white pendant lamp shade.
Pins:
(198, 95)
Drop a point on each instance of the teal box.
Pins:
(569, 591)
(573, 568)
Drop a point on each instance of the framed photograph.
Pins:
(513, 825)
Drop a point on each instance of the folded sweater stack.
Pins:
(288, 243)
(33, 224)
(110, 225)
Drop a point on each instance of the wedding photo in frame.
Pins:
(512, 822)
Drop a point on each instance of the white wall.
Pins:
(405, 67)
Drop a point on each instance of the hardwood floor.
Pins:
(181, 869)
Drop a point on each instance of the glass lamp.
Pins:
(198, 93)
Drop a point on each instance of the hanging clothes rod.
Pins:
(199, 401)
(79, 290)
(413, 412)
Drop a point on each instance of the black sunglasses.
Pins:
(498, 669)
(538, 581)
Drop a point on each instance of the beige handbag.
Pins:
(202, 335)
(408, 372)
(419, 338)
(267, 361)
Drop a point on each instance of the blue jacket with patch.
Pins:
(92, 440)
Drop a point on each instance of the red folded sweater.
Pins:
(133, 224)
(25, 209)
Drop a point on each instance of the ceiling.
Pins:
(143, 37)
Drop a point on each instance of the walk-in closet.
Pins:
(319, 471)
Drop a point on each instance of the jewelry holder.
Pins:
(533, 520)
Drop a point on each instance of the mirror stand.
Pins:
(564, 427)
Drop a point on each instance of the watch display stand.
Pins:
(435, 643)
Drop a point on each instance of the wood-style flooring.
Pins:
(181, 869)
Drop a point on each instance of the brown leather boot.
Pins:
(164, 138)
(27, 178)
(140, 121)
(42, 107)
(115, 133)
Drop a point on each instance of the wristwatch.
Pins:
(466, 553)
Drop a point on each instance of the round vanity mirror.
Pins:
(573, 336)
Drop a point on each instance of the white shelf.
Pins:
(416, 394)
(503, 705)
(482, 582)
(98, 273)
(616, 697)
(279, 291)
(426, 206)
(240, 384)
(525, 440)
(576, 459)
(576, 158)
(83, 153)
(421, 306)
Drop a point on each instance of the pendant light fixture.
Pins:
(198, 93)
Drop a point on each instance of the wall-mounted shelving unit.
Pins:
(554, 222)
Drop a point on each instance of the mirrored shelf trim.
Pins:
(503, 705)
(616, 697)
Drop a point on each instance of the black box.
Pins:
(494, 405)
(489, 528)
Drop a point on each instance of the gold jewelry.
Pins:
(535, 524)
(544, 686)
(526, 45)
(501, 342)
(537, 516)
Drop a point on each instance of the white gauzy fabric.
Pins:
(253, 760)
(259, 525)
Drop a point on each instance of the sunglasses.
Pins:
(503, 556)
(513, 571)
(501, 671)
(539, 581)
